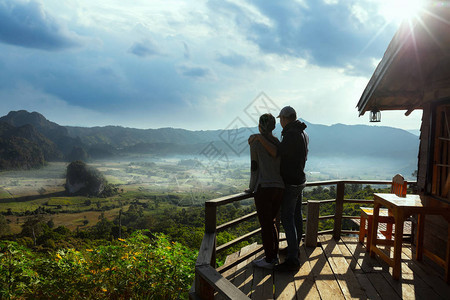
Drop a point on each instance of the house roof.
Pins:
(415, 68)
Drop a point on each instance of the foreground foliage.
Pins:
(137, 267)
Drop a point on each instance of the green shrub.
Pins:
(138, 267)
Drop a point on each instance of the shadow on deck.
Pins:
(335, 270)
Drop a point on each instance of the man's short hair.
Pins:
(289, 113)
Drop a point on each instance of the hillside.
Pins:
(339, 140)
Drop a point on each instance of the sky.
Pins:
(196, 65)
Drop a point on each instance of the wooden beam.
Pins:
(237, 240)
(241, 258)
(218, 283)
(229, 199)
(206, 254)
(236, 221)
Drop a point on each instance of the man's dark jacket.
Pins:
(293, 151)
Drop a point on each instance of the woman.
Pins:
(267, 184)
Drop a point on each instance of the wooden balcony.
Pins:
(333, 263)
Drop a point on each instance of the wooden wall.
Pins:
(436, 227)
(423, 149)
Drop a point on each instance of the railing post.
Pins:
(312, 223)
(340, 191)
(203, 290)
(210, 227)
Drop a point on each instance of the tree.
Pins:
(51, 223)
(103, 229)
(42, 191)
(33, 227)
(4, 226)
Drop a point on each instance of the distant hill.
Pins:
(24, 147)
(122, 137)
(362, 140)
(53, 132)
(99, 142)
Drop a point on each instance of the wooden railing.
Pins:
(208, 279)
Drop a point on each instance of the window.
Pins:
(441, 160)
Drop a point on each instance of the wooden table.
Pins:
(401, 208)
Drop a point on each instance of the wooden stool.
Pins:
(367, 214)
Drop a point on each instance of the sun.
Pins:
(399, 10)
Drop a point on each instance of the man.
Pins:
(293, 151)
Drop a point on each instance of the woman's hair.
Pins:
(267, 123)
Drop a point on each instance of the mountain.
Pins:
(339, 140)
(44, 126)
(20, 147)
(20, 153)
(53, 139)
(30, 133)
(122, 137)
(362, 140)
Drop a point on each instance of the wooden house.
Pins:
(415, 74)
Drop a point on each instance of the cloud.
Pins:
(195, 72)
(145, 49)
(232, 59)
(27, 24)
(326, 33)
(53, 108)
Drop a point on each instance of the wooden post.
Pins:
(203, 289)
(340, 191)
(210, 218)
(210, 227)
(312, 223)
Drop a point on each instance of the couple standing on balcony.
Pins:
(278, 180)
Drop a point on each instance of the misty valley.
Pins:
(156, 183)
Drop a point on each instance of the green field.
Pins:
(157, 186)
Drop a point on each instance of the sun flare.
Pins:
(400, 10)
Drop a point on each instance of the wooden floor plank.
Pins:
(372, 268)
(243, 277)
(296, 285)
(229, 274)
(323, 275)
(427, 274)
(401, 287)
(346, 279)
(362, 277)
(304, 279)
(262, 284)
(421, 289)
(383, 287)
(338, 270)
(284, 285)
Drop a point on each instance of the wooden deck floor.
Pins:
(337, 270)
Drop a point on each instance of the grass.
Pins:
(4, 194)
(21, 207)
